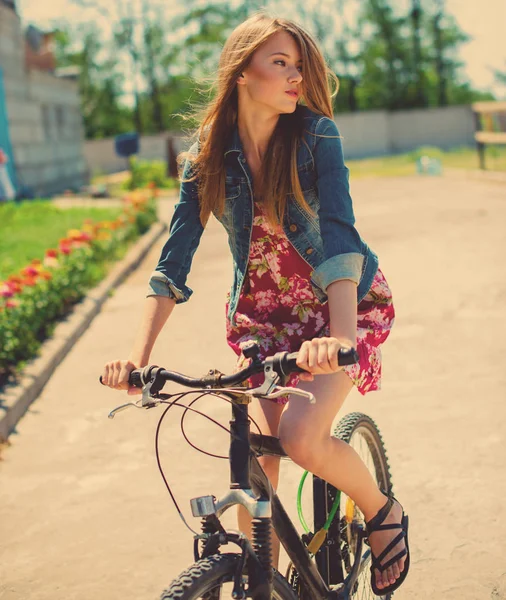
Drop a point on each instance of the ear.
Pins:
(241, 79)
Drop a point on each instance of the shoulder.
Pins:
(316, 125)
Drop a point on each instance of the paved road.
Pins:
(84, 513)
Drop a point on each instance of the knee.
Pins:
(301, 445)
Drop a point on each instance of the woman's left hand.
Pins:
(319, 356)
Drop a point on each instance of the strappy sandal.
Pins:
(376, 524)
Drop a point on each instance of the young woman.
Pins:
(268, 164)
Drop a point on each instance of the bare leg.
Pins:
(304, 431)
(267, 414)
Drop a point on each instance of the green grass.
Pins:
(27, 230)
(405, 164)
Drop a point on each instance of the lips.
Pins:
(292, 93)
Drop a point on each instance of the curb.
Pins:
(16, 398)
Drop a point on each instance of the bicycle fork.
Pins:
(257, 555)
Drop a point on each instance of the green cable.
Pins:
(299, 502)
(332, 513)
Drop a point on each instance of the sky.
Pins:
(484, 20)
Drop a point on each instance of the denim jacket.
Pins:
(328, 240)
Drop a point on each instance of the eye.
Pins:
(279, 60)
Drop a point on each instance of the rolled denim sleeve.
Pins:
(342, 244)
(171, 272)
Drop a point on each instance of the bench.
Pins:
(490, 126)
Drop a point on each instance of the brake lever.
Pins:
(118, 409)
(282, 391)
(148, 401)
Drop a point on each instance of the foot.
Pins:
(379, 540)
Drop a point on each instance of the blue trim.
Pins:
(5, 141)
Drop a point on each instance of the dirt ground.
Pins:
(85, 514)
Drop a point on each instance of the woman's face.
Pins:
(272, 79)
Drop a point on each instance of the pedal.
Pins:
(203, 506)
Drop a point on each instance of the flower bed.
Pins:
(32, 301)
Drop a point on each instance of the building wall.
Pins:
(44, 118)
(365, 134)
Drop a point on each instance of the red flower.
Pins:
(51, 253)
(14, 286)
(11, 304)
(65, 246)
(30, 271)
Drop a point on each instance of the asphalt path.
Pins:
(84, 512)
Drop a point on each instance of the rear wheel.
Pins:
(212, 579)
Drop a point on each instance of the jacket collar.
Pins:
(234, 144)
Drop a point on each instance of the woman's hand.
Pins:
(319, 356)
(116, 374)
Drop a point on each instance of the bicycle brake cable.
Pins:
(175, 402)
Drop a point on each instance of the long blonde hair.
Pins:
(220, 116)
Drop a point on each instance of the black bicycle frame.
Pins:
(246, 473)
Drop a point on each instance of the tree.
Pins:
(100, 85)
(446, 37)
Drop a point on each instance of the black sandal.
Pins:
(375, 524)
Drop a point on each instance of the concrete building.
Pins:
(43, 112)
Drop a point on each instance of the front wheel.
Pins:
(362, 434)
(212, 578)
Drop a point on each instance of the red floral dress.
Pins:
(279, 310)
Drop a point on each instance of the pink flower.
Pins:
(30, 271)
(6, 292)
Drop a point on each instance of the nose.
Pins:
(295, 76)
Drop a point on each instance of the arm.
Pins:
(343, 311)
(174, 264)
(342, 245)
(319, 355)
(157, 309)
(167, 284)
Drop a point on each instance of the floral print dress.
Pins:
(279, 310)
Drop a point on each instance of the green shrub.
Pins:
(47, 291)
(144, 172)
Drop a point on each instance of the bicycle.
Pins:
(327, 563)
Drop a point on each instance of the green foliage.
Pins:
(100, 83)
(144, 172)
(29, 317)
(405, 164)
(28, 229)
(388, 55)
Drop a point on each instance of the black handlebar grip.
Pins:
(134, 379)
(345, 356)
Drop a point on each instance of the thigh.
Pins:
(330, 392)
(266, 415)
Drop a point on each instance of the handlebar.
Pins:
(283, 363)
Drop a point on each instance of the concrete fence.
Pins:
(365, 134)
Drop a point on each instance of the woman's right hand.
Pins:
(116, 374)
